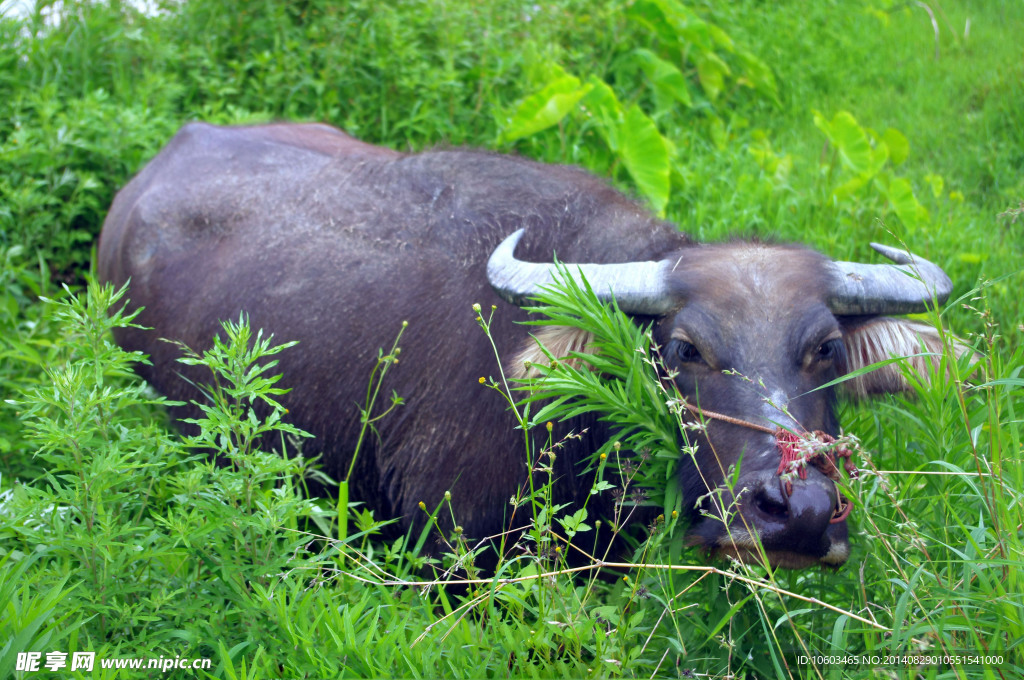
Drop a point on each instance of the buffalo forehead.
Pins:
(750, 290)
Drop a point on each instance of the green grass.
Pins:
(102, 501)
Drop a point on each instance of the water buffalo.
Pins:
(333, 242)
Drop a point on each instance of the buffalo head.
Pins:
(749, 333)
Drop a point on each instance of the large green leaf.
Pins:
(676, 23)
(879, 157)
(901, 196)
(899, 147)
(852, 143)
(645, 155)
(760, 76)
(666, 80)
(546, 108)
(606, 109)
(721, 38)
(712, 72)
(849, 188)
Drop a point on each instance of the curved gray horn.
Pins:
(638, 287)
(886, 288)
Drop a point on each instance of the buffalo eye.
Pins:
(687, 352)
(829, 350)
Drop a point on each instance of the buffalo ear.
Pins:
(870, 340)
(559, 341)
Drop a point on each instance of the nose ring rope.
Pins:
(797, 450)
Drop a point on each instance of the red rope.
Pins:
(820, 450)
(798, 450)
(814, 448)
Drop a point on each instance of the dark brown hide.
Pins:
(332, 242)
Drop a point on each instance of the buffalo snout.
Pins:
(791, 523)
(794, 517)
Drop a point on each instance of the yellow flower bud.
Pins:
(482, 380)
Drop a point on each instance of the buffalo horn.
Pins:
(885, 288)
(638, 287)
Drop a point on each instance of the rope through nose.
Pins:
(728, 419)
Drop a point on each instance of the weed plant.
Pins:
(829, 123)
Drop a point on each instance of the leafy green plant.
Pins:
(631, 135)
(368, 420)
(865, 158)
(125, 507)
(685, 37)
(619, 381)
(54, 201)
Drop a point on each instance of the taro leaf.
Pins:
(721, 38)
(852, 143)
(676, 23)
(546, 108)
(899, 147)
(651, 17)
(606, 109)
(602, 102)
(712, 72)
(848, 188)
(666, 80)
(879, 156)
(645, 155)
(760, 76)
(901, 197)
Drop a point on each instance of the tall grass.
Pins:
(119, 536)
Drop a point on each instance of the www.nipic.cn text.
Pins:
(87, 661)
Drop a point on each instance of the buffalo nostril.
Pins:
(770, 501)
